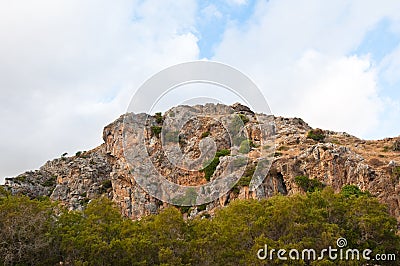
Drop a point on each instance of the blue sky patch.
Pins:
(379, 41)
(213, 18)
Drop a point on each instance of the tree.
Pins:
(24, 226)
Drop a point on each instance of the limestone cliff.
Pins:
(333, 158)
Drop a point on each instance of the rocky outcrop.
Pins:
(333, 158)
(72, 180)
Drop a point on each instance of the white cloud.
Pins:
(70, 67)
(211, 12)
(237, 2)
(300, 56)
(390, 66)
(337, 93)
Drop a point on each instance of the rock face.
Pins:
(335, 159)
(71, 180)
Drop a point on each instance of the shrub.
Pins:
(239, 161)
(238, 139)
(78, 153)
(202, 207)
(396, 171)
(353, 190)
(20, 178)
(159, 117)
(250, 169)
(210, 166)
(396, 145)
(245, 146)
(235, 189)
(283, 148)
(223, 152)
(235, 126)
(106, 184)
(244, 181)
(316, 134)
(244, 118)
(50, 182)
(266, 147)
(184, 209)
(189, 199)
(156, 130)
(335, 141)
(386, 148)
(85, 201)
(307, 184)
(205, 134)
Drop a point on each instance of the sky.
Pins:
(70, 67)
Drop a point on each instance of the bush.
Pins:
(202, 207)
(159, 117)
(239, 161)
(238, 139)
(307, 184)
(20, 178)
(386, 148)
(244, 118)
(316, 134)
(250, 169)
(50, 182)
(156, 130)
(106, 184)
(396, 171)
(223, 152)
(236, 125)
(244, 181)
(210, 166)
(184, 209)
(396, 145)
(283, 148)
(205, 134)
(353, 190)
(245, 146)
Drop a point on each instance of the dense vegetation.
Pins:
(38, 232)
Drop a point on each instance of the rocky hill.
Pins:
(331, 158)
